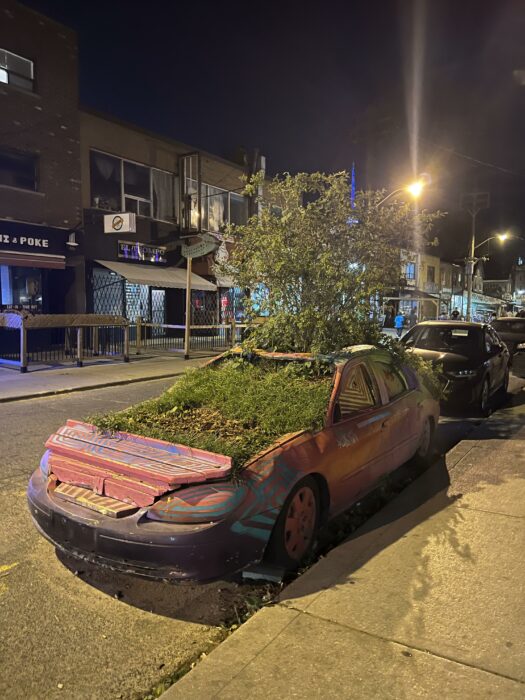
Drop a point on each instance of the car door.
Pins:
(498, 358)
(356, 428)
(403, 425)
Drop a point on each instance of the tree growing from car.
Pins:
(316, 264)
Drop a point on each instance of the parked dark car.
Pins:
(475, 361)
(512, 331)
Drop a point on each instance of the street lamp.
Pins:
(414, 189)
(471, 264)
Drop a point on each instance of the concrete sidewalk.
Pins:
(427, 600)
(48, 381)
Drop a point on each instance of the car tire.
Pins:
(426, 449)
(293, 537)
(484, 398)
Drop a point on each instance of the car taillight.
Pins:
(198, 504)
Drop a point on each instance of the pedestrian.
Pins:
(399, 323)
(455, 314)
(412, 319)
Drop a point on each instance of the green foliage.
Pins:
(236, 408)
(429, 374)
(324, 276)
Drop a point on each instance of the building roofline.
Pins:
(48, 18)
(161, 137)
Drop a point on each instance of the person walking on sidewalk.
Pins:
(399, 323)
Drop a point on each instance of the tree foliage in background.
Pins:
(321, 262)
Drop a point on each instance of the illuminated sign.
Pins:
(142, 252)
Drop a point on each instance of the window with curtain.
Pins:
(163, 191)
(105, 178)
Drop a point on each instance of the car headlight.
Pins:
(520, 346)
(199, 504)
(44, 466)
(463, 373)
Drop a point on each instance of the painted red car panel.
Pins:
(167, 511)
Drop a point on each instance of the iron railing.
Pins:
(21, 347)
(163, 337)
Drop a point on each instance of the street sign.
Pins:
(207, 244)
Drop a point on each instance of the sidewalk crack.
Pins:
(410, 646)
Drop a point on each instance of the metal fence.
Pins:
(21, 347)
(166, 338)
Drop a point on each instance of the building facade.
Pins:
(39, 157)
(95, 214)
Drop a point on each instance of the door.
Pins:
(498, 364)
(158, 310)
(356, 433)
(404, 424)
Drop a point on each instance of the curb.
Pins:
(88, 387)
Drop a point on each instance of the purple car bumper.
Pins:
(138, 545)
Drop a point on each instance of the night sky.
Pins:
(318, 85)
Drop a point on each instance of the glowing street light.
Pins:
(414, 189)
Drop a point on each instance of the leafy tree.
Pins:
(322, 263)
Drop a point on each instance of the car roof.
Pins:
(459, 324)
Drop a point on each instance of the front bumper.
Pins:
(462, 392)
(137, 545)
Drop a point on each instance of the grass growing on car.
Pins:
(237, 407)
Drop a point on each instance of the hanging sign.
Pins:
(120, 223)
(207, 244)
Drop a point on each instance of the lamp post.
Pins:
(414, 189)
(471, 263)
(473, 202)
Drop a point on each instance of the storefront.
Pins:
(145, 290)
(32, 267)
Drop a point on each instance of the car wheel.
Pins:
(425, 451)
(294, 534)
(484, 398)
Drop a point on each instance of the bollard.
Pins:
(23, 349)
(139, 335)
(126, 343)
(80, 344)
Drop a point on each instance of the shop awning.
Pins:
(167, 277)
(19, 259)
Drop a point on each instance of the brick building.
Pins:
(39, 157)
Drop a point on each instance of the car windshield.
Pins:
(462, 340)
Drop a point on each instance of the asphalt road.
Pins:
(70, 631)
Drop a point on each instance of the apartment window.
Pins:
(15, 70)
(106, 189)
(18, 169)
(137, 189)
(410, 271)
(431, 274)
(218, 207)
(238, 209)
(121, 185)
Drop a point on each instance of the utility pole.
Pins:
(473, 202)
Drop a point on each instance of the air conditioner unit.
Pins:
(125, 222)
